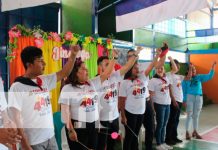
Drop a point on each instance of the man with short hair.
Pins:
(29, 99)
(109, 114)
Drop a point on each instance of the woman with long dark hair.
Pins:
(79, 105)
(133, 93)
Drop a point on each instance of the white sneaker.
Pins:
(160, 147)
(167, 146)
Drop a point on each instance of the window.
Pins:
(174, 26)
(146, 54)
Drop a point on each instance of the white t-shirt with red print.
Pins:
(161, 90)
(136, 92)
(83, 100)
(176, 81)
(109, 97)
(35, 107)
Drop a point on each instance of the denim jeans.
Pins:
(162, 117)
(194, 106)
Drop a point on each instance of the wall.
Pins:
(77, 16)
(203, 64)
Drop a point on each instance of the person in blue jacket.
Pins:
(194, 96)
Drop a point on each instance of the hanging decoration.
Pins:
(64, 38)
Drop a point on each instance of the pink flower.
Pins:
(13, 54)
(14, 33)
(39, 42)
(49, 37)
(55, 36)
(68, 36)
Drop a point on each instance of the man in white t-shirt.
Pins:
(109, 114)
(8, 135)
(29, 99)
(175, 107)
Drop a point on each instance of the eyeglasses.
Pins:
(128, 56)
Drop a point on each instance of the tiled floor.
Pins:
(208, 120)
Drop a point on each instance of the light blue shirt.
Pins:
(194, 86)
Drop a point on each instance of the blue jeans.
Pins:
(162, 117)
(194, 106)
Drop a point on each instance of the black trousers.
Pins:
(134, 122)
(173, 122)
(149, 125)
(87, 135)
(104, 136)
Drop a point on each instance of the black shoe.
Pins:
(170, 142)
(178, 140)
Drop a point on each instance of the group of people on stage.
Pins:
(91, 108)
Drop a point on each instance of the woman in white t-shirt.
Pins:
(79, 105)
(159, 87)
(132, 95)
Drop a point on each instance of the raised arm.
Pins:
(153, 63)
(174, 67)
(209, 76)
(70, 63)
(106, 74)
(130, 62)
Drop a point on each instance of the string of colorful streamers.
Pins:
(40, 36)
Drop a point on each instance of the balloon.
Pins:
(114, 135)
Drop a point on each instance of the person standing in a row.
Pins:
(159, 87)
(109, 114)
(193, 91)
(133, 93)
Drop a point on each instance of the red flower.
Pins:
(39, 81)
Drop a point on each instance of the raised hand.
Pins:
(138, 50)
(170, 58)
(214, 64)
(74, 50)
